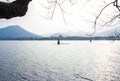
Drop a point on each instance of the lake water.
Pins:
(70, 61)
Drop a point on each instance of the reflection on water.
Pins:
(70, 61)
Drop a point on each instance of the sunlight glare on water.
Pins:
(70, 61)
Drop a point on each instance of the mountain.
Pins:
(16, 32)
(70, 34)
(59, 34)
(79, 33)
(109, 32)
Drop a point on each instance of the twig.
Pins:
(96, 19)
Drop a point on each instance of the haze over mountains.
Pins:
(106, 33)
(70, 33)
(109, 32)
(17, 32)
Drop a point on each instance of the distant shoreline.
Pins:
(54, 40)
(64, 38)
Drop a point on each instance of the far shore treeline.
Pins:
(64, 38)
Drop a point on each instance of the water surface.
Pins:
(70, 61)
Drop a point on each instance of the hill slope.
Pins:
(13, 32)
(109, 32)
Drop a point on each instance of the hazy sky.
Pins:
(77, 17)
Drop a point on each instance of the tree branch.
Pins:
(96, 19)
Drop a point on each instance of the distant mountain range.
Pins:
(106, 33)
(109, 32)
(16, 32)
(70, 34)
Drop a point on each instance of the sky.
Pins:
(78, 17)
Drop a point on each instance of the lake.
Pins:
(70, 61)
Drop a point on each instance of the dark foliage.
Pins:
(16, 8)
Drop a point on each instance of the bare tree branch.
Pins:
(52, 4)
(96, 19)
(112, 19)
